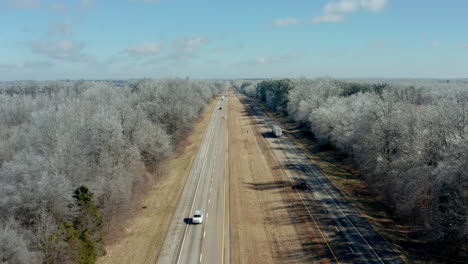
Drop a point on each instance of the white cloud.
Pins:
(183, 49)
(231, 48)
(334, 12)
(328, 18)
(65, 49)
(261, 60)
(22, 4)
(145, 49)
(64, 29)
(190, 44)
(374, 5)
(343, 6)
(58, 7)
(435, 44)
(288, 21)
(87, 4)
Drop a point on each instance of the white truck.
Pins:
(222, 97)
(276, 130)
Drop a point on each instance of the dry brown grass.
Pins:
(267, 223)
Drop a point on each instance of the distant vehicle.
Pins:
(222, 97)
(220, 108)
(197, 217)
(302, 185)
(261, 122)
(276, 130)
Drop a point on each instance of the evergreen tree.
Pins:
(85, 234)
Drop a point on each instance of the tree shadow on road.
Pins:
(264, 186)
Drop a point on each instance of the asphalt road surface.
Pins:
(206, 189)
(348, 236)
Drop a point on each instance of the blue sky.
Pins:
(119, 39)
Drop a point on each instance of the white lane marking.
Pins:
(210, 189)
(324, 188)
(337, 229)
(210, 134)
(201, 256)
(206, 215)
(352, 250)
(212, 179)
(209, 200)
(203, 233)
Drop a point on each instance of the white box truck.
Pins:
(276, 130)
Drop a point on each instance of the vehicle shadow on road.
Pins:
(188, 221)
(268, 135)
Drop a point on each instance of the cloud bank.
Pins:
(336, 11)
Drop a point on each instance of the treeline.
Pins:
(410, 142)
(73, 152)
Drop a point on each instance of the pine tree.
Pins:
(85, 234)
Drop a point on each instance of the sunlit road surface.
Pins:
(206, 189)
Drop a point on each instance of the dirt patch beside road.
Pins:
(142, 235)
(268, 224)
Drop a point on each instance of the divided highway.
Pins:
(346, 235)
(206, 189)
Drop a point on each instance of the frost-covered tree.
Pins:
(14, 246)
(408, 137)
(58, 135)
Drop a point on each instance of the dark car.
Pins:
(220, 108)
(302, 185)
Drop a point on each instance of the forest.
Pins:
(409, 138)
(72, 153)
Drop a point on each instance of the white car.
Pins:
(197, 217)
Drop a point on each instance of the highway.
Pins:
(206, 189)
(348, 237)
